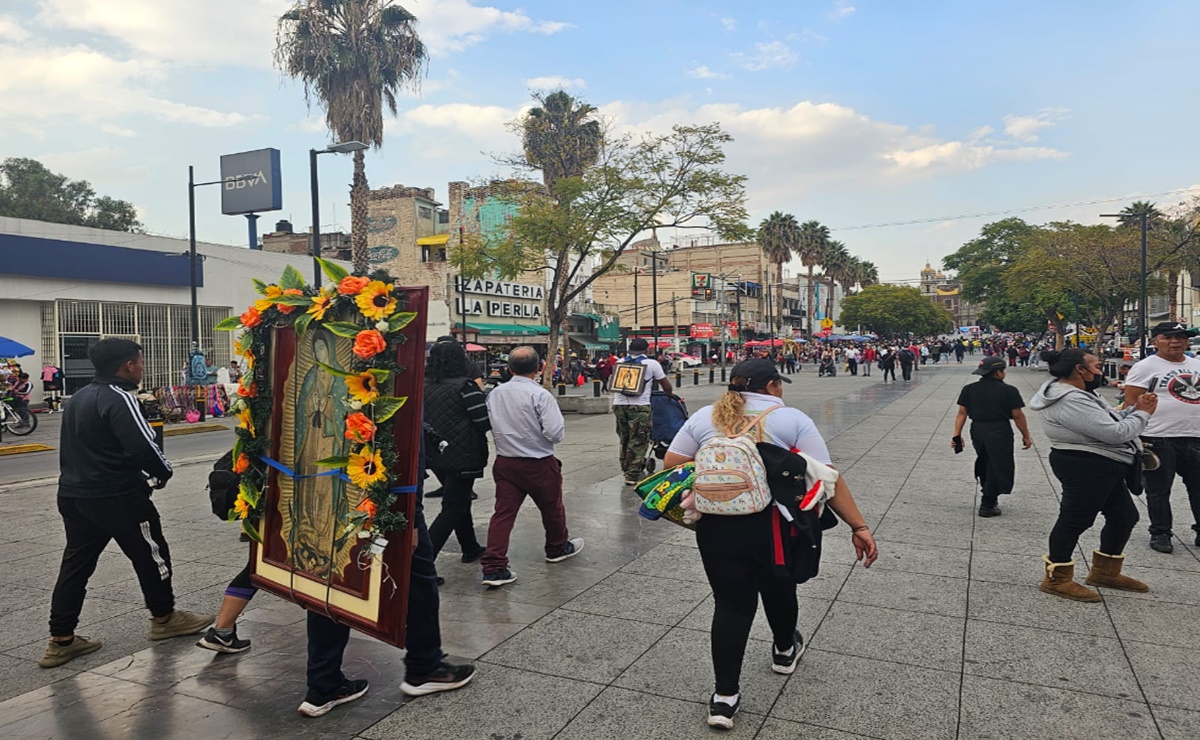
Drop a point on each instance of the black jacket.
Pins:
(456, 410)
(106, 443)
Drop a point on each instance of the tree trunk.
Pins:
(359, 192)
(557, 317)
(1173, 279)
(829, 301)
(811, 298)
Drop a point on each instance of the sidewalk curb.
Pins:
(52, 480)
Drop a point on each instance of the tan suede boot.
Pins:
(1106, 571)
(1060, 581)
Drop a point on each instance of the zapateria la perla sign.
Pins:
(251, 182)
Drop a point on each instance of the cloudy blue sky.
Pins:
(853, 112)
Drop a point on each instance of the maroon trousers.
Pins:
(516, 478)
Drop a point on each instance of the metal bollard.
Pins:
(712, 375)
(696, 376)
(722, 375)
(595, 387)
(678, 378)
(562, 388)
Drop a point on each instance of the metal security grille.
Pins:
(49, 336)
(164, 331)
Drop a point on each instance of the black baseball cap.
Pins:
(989, 365)
(1172, 327)
(758, 372)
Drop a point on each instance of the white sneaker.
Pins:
(570, 550)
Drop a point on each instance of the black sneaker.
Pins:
(446, 677)
(316, 706)
(786, 664)
(1162, 543)
(1198, 539)
(989, 511)
(570, 550)
(473, 555)
(721, 714)
(499, 578)
(231, 644)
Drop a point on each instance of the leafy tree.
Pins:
(636, 185)
(561, 137)
(894, 309)
(29, 190)
(980, 263)
(352, 57)
(778, 237)
(813, 238)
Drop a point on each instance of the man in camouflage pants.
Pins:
(633, 413)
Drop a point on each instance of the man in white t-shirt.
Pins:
(1174, 431)
(633, 413)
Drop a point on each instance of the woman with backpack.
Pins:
(456, 415)
(738, 551)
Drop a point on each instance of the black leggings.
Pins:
(736, 551)
(455, 515)
(1091, 485)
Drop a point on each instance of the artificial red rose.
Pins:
(352, 284)
(283, 307)
(359, 427)
(242, 464)
(251, 318)
(369, 343)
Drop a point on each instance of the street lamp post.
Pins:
(1142, 218)
(654, 296)
(344, 147)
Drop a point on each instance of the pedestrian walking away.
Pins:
(1173, 434)
(1094, 453)
(887, 363)
(109, 464)
(991, 404)
(740, 552)
(631, 408)
(906, 357)
(526, 426)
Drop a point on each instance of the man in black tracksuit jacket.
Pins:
(108, 462)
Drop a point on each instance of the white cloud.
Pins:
(704, 73)
(114, 130)
(452, 25)
(841, 9)
(1025, 128)
(11, 30)
(766, 55)
(555, 82)
(729, 24)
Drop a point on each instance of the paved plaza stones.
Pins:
(946, 636)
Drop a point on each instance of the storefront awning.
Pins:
(589, 343)
(538, 329)
(500, 330)
(437, 240)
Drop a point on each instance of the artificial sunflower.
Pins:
(369, 343)
(376, 300)
(368, 507)
(366, 468)
(322, 302)
(245, 420)
(241, 507)
(352, 284)
(272, 291)
(359, 427)
(251, 318)
(363, 387)
(283, 307)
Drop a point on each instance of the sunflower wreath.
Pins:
(364, 308)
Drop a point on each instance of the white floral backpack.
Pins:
(731, 479)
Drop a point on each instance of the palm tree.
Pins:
(813, 238)
(561, 137)
(835, 260)
(1131, 218)
(869, 275)
(851, 275)
(352, 56)
(779, 238)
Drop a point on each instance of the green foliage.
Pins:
(29, 190)
(335, 272)
(894, 309)
(560, 136)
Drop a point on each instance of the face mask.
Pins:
(1094, 382)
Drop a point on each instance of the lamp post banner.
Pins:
(251, 182)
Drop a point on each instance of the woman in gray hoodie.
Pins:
(1092, 453)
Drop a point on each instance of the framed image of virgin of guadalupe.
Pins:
(312, 552)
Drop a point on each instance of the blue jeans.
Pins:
(1177, 456)
(423, 640)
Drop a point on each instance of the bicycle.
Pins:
(18, 422)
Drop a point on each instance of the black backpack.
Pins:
(223, 486)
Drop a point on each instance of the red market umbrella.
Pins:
(475, 348)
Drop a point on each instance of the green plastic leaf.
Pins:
(292, 300)
(400, 320)
(237, 448)
(291, 279)
(334, 271)
(343, 328)
(301, 323)
(386, 407)
(335, 371)
(259, 285)
(337, 461)
(251, 531)
(246, 341)
(250, 493)
(229, 324)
